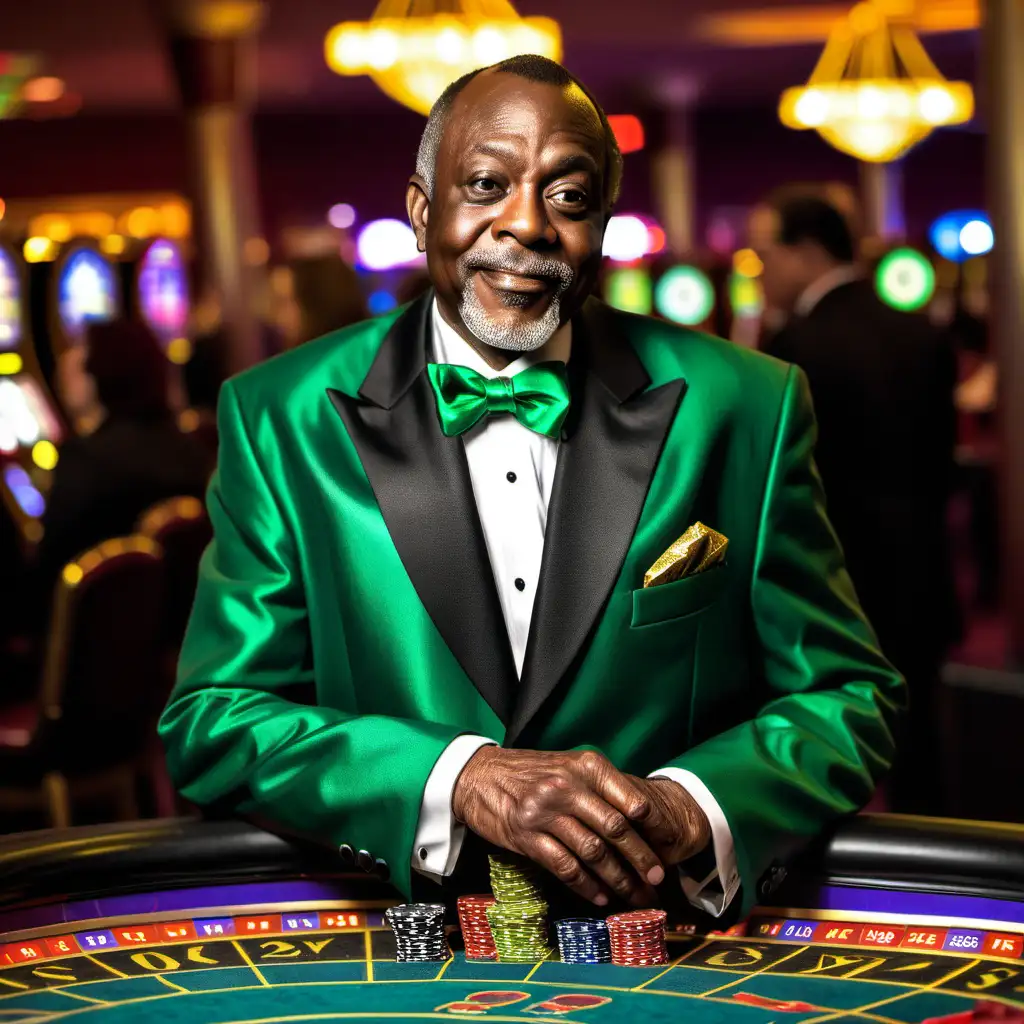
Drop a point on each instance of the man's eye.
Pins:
(571, 196)
(487, 185)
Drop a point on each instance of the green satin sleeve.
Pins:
(243, 728)
(824, 737)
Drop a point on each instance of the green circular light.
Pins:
(905, 280)
(629, 290)
(746, 296)
(684, 295)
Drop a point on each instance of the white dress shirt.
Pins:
(512, 469)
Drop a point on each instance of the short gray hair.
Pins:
(534, 68)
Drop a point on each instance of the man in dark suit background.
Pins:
(882, 383)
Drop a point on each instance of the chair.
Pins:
(182, 530)
(87, 732)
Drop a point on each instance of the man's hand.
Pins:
(569, 812)
(674, 823)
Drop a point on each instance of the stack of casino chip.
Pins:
(520, 931)
(638, 938)
(419, 932)
(476, 929)
(583, 940)
(514, 880)
(519, 915)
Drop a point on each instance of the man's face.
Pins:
(513, 229)
(786, 272)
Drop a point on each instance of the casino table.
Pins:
(888, 920)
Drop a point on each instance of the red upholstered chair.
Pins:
(87, 732)
(182, 530)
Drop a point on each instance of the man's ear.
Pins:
(417, 207)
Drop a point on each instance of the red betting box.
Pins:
(1009, 946)
(61, 945)
(21, 952)
(176, 931)
(839, 933)
(341, 920)
(924, 938)
(137, 936)
(882, 935)
(268, 924)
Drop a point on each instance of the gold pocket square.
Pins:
(697, 550)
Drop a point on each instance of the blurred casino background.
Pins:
(231, 174)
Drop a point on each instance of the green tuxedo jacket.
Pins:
(346, 627)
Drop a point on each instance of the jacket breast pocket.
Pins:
(680, 599)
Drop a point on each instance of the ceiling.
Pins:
(110, 52)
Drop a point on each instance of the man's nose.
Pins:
(525, 217)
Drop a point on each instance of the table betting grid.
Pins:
(301, 964)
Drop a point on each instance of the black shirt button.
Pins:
(510, 477)
(423, 853)
(520, 584)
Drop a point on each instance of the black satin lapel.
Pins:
(421, 481)
(605, 465)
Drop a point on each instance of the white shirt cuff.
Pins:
(438, 839)
(715, 892)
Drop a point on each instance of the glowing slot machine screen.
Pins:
(163, 290)
(25, 416)
(10, 302)
(86, 290)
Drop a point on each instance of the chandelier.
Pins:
(414, 49)
(875, 91)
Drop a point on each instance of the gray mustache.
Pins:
(527, 264)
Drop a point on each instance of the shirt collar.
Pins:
(828, 282)
(449, 347)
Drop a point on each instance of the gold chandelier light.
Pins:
(413, 49)
(875, 92)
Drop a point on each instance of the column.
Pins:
(882, 201)
(211, 44)
(673, 179)
(1004, 100)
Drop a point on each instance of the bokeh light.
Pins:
(381, 301)
(630, 290)
(684, 295)
(626, 239)
(387, 243)
(44, 454)
(977, 237)
(44, 89)
(905, 280)
(341, 216)
(960, 234)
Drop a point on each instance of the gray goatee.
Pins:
(525, 335)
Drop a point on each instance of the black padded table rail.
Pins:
(928, 854)
(881, 851)
(169, 853)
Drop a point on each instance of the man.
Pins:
(432, 532)
(883, 385)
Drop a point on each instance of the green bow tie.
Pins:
(538, 397)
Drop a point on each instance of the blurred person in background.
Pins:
(325, 296)
(882, 383)
(131, 455)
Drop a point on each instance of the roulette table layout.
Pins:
(888, 920)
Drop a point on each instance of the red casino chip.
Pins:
(476, 929)
(638, 938)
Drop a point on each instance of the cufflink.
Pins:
(348, 855)
(365, 860)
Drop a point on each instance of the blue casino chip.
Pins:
(583, 940)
